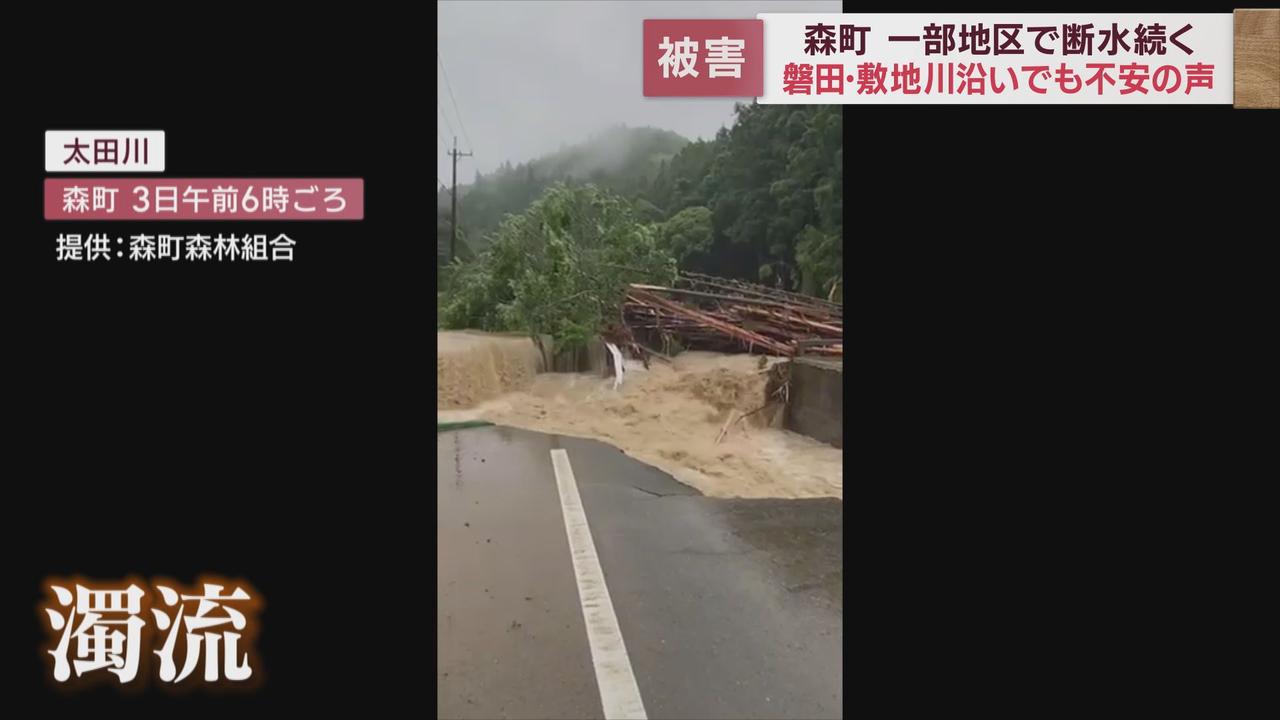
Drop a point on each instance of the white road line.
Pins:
(619, 693)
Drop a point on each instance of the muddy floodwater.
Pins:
(472, 367)
(672, 416)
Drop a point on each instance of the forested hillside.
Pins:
(762, 201)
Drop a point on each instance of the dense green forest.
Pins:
(762, 201)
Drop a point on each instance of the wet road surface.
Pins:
(728, 608)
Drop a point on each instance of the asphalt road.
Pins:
(728, 608)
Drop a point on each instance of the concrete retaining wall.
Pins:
(817, 400)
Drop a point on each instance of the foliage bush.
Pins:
(561, 267)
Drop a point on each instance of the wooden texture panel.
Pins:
(1257, 58)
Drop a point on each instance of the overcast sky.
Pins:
(530, 76)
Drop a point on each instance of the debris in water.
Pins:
(617, 364)
(710, 313)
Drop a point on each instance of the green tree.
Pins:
(687, 235)
(774, 187)
(561, 267)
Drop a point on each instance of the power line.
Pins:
(456, 112)
(457, 115)
(446, 122)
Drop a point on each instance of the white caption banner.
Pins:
(962, 65)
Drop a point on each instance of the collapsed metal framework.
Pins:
(710, 313)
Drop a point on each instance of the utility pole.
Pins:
(453, 224)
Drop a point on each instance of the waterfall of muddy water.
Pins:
(669, 416)
(472, 367)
